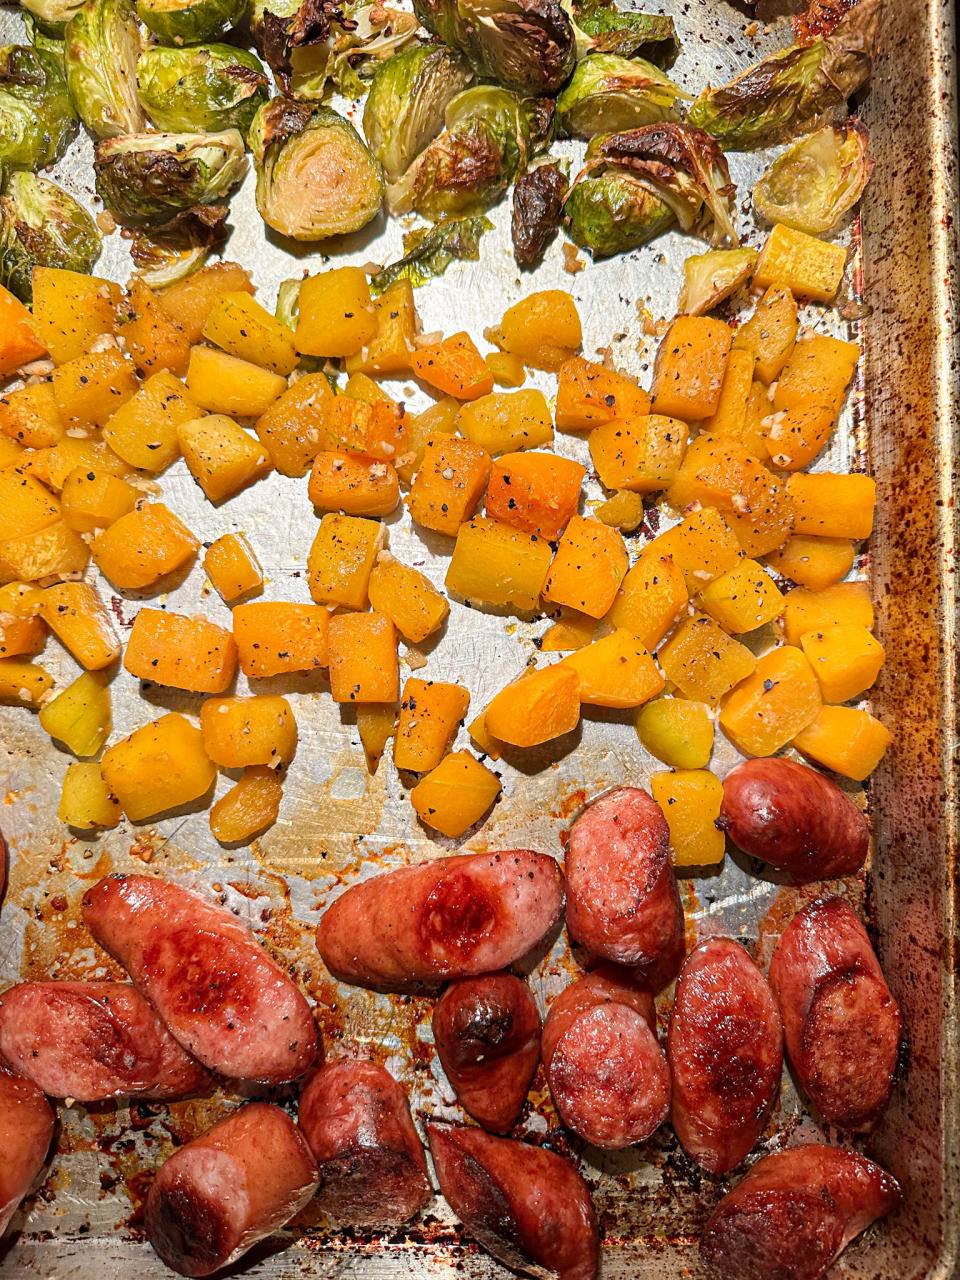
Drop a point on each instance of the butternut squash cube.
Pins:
(375, 724)
(410, 600)
(73, 453)
(52, 552)
(846, 660)
(808, 267)
(536, 707)
(535, 492)
(689, 369)
(71, 310)
(651, 598)
(143, 546)
(454, 367)
(354, 485)
(573, 631)
(341, 560)
(391, 348)
(335, 315)
(360, 386)
(179, 651)
(95, 499)
(152, 339)
(239, 325)
(232, 567)
(506, 421)
(249, 807)
(30, 416)
(588, 568)
(729, 420)
(770, 333)
(26, 504)
(238, 732)
(191, 300)
(623, 511)
(143, 432)
(440, 419)
(702, 547)
(85, 801)
(770, 707)
(818, 371)
(495, 564)
(844, 603)
(691, 800)
(223, 384)
(792, 438)
(743, 598)
(376, 429)
(80, 716)
(221, 456)
(430, 714)
(90, 389)
(615, 671)
(702, 660)
(543, 329)
(363, 658)
(589, 394)
(642, 455)
(507, 369)
(274, 638)
(450, 483)
(757, 411)
(75, 614)
(455, 795)
(22, 631)
(487, 743)
(827, 505)
(23, 684)
(293, 430)
(677, 731)
(160, 766)
(845, 739)
(813, 562)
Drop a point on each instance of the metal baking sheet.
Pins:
(337, 824)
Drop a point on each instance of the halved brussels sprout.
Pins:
(169, 180)
(37, 121)
(315, 176)
(205, 87)
(710, 277)
(406, 103)
(611, 212)
(527, 45)
(613, 30)
(779, 96)
(190, 21)
(817, 180)
(51, 15)
(41, 225)
(103, 45)
(429, 251)
(537, 211)
(484, 146)
(608, 93)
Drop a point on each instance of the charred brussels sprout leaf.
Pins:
(102, 47)
(37, 122)
(817, 180)
(710, 277)
(465, 170)
(541, 116)
(608, 93)
(630, 34)
(537, 210)
(42, 226)
(170, 181)
(203, 87)
(190, 21)
(406, 103)
(375, 36)
(779, 96)
(315, 176)
(430, 251)
(527, 45)
(161, 264)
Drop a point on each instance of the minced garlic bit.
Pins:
(572, 261)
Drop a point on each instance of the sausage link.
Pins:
(26, 1128)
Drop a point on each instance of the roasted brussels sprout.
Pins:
(169, 181)
(376, 35)
(484, 146)
(102, 48)
(611, 212)
(161, 263)
(41, 225)
(710, 277)
(429, 251)
(315, 176)
(541, 116)
(51, 15)
(608, 93)
(782, 94)
(406, 103)
(537, 211)
(612, 30)
(190, 21)
(37, 122)
(817, 180)
(210, 87)
(527, 45)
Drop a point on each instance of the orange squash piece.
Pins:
(813, 562)
(450, 483)
(691, 800)
(743, 598)
(846, 660)
(588, 568)
(827, 505)
(703, 661)
(497, 565)
(455, 795)
(353, 485)
(363, 658)
(702, 546)
(535, 708)
(70, 311)
(88, 390)
(773, 704)
(573, 631)
(143, 546)
(158, 767)
(651, 597)
(409, 599)
(341, 560)
(19, 344)
(189, 302)
(23, 633)
(845, 739)
(238, 732)
(152, 339)
(543, 329)
(728, 422)
(30, 416)
(249, 807)
(276, 637)
(843, 603)
(52, 552)
(143, 432)
(182, 652)
(770, 333)
(454, 367)
(642, 455)
(689, 369)
(430, 714)
(589, 394)
(615, 671)
(232, 567)
(293, 429)
(507, 421)
(76, 615)
(535, 492)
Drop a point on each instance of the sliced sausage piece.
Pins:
(236, 1184)
(794, 1213)
(793, 818)
(622, 899)
(357, 1120)
(607, 1074)
(528, 1207)
(487, 1033)
(450, 918)
(841, 1023)
(725, 1049)
(221, 995)
(93, 1040)
(26, 1128)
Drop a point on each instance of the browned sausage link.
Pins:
(725, 1049)
(93, 1040)
(449, 918)
(238, 1183)
(794, 1213)
(26, 1127)
(527, 1207)
(841, 1024)
(622, 899)
(487, 1033)
(357, 1120)
(607, 1074)
(793, 818)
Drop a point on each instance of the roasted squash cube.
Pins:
(221, 383)
(792, 438)
(26, 504)
(813, 562)
(589, 394)
(179, 651)
(818, 371)
(455, 795)
(232, 567)
(808, 267)
(335, 315)
(274, 638)
(440, 420)
(743, 598)
(430, 714)
(80, 716)
(538, 706)
(729, 420)
(845, 603)
(70, 311)
(615, 671)
(243, 328)
(341, 560)
(588, 568)
(376, 429)
(19, 343)
(535, 492)
(390, 350)
(143, 546)
(845, 739)
(376, 722)
(449, 484)
(410, 600)
(85, 801)
(650, 598)
(770, 707)
(702, 547)
(643, 454)
(846, 660)
(90, 389)
(293, 429)
(827, 505)
(363, 658)
(95, 499)
(75, 614)
(691, 800)
(624, 510)
(573, 631)
(52, 552)
(354, 485)
(152, 339)
(158, 767)
(702, 660)
(30, 416)
(22, 631)
(249, 807)
(221, 456)
(770, 332)
(143, 432)
(508, 370)
(191, 300)
(506, 421)
(543, 329)
(495, 564)
(689, 369)
(238, 732)
(454, 367)
(23, 684)
(677, 731)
